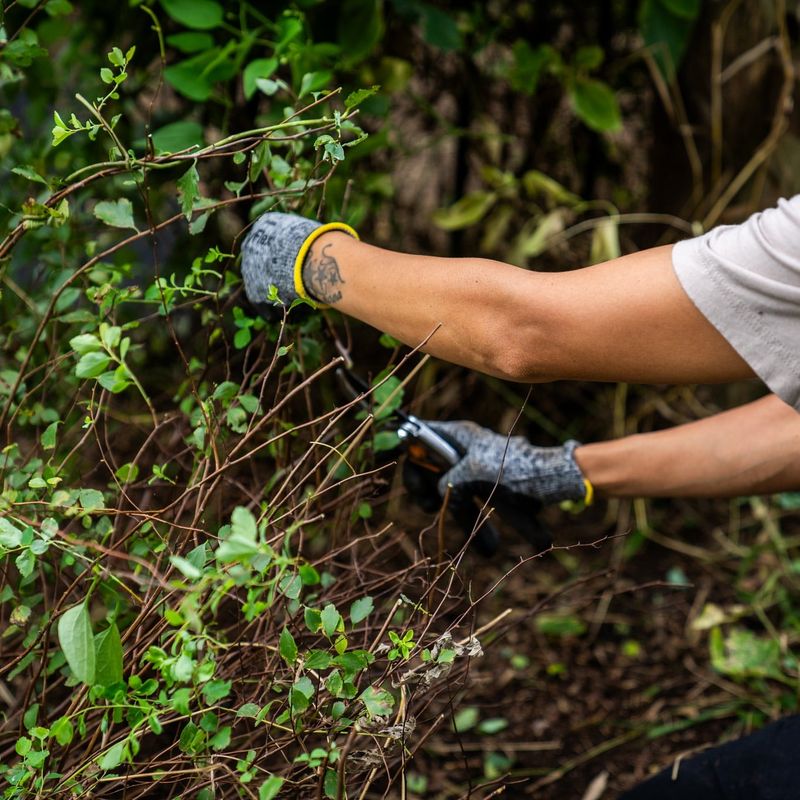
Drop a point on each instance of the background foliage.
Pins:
(211, 583)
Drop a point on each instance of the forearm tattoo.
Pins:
(322, 278)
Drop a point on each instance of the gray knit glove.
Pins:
(546, 474)
(273, 254)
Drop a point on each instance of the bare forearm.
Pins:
(753, 449)
(627, 319)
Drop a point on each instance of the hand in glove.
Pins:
(274, 252)
(543, 474)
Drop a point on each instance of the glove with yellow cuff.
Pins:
(274, 252)
(512, 466)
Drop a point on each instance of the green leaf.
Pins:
(198, 14)
(270, 788)
(186, 568)
(465, 212)
(330, 619)
(743, 654)
(30, 174)
(62, 731)
(361, 609)
(666, 34)
(188, 189)
(361, 27)
(291, 586)
(85, 343)
(243, 523)
(385, 440)
(192, 76)
(108, 657)
(493, 725)
(560, 625)
(440, 29)
(10, 535)
(116, 213)
(48, 438)
(91, 499)
(112, 758)
(314, 81)
(378, 702)
(92, 364)
(359, 96)
(128, 473)
(177, 136)
(388, 397)
(589, 57)
(191, 41)
(77, 642)
(465, 719)
(287, 647)
(260, 68)
(595, 104)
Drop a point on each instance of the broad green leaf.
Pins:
(116, 213)
(378, 702)
(177, 136)
(90, 365)
(291, 586)
(492, 725)
(330, 619)
(10, 535)
(188, 189)
(243, 523)
(30, 174)
(85, 343)
(62, 731)
(666, 34)
(361, 27)
(194, 77)
(387, 397)
(186, 568)
(198, 14)
(595, 103)
(314, 81)
(465, 719)
(440, 29)
(743, 654)
(589, 57)
(560, 625)
(259, 68)
(465, 212)
(361, 609)
(287, 647)
(112, 758)
(270, 788)
(359, 96)
(108, 656)
(128, 473)
(77, 642)
(91, 499)
(191, 41)
(385, 440)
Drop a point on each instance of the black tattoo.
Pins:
(322, 278)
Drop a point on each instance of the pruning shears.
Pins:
(431, 455)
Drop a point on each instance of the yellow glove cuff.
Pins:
(588, 498)
(299, 286)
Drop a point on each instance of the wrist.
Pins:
(320, 267)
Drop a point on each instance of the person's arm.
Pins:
(626, 319)
(753, 449)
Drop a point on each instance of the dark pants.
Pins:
(762, 766)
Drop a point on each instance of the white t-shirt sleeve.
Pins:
(745, 279)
